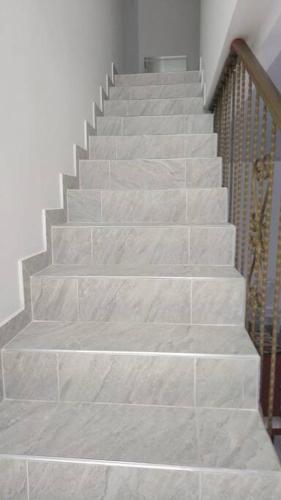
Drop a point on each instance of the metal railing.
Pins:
(247, 108)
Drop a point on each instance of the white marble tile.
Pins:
(94, 174)
(211, 245)
(54, 299)
(156, 91)
(59, 481)
(157, 78)
(30, 375)
(218, 301)
(234, 486)
(84, 205)
(147, 174)
(140, 245)
(71, 245)
(13, 480)
(207, 206)
(113, 378)
(143, 300)
(128, 337)
(227, 383)
(144, 206)
(204, 172)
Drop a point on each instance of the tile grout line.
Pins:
(3, 374)
(27, 479)
(58, 376)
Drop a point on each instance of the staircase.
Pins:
(136, 378)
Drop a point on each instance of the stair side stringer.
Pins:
(27, 266)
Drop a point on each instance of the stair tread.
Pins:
(169, 271)
(134, 338)
(137, 434)
(141, 224)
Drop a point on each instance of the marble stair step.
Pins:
(157, 78)
(135, 245)
(150, 174)
(156, 91)
(178, 124)
(153, 146)
(193, 206)
(150, 294)
(199, 440)
(133, 364)
(148, 107)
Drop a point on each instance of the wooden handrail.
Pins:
(264, 85)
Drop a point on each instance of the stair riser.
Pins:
(150, 174)
(194, 206)
(132, 379)
(157, 78)
(138, 299)
(127, 246)
(154, 107)
(49, 479)
(156, 91)
(192, 124)
(153, 146)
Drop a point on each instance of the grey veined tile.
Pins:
(143, 434)
(150, 146)
(94, 174)
(154, 107)
(62, 481)
(147, 174)
(234, 486)
(133, 337)
(157, 78)
(13, 479)
(84, 205)
(234, 439)
(71, 245)
(170, 124)
(143, 300)
(204, 172)
(218, 301)
(135, 379)
(54, 299)
(125, 433)
(212, 245)
(227, 383)
(144, 206)
(140, 245)
(207, 206)
(30, 375)
(156, 91)
(153, 146)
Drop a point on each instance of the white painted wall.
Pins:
(168, 28)
(131, 36)
(54, 54)
(223, 21)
